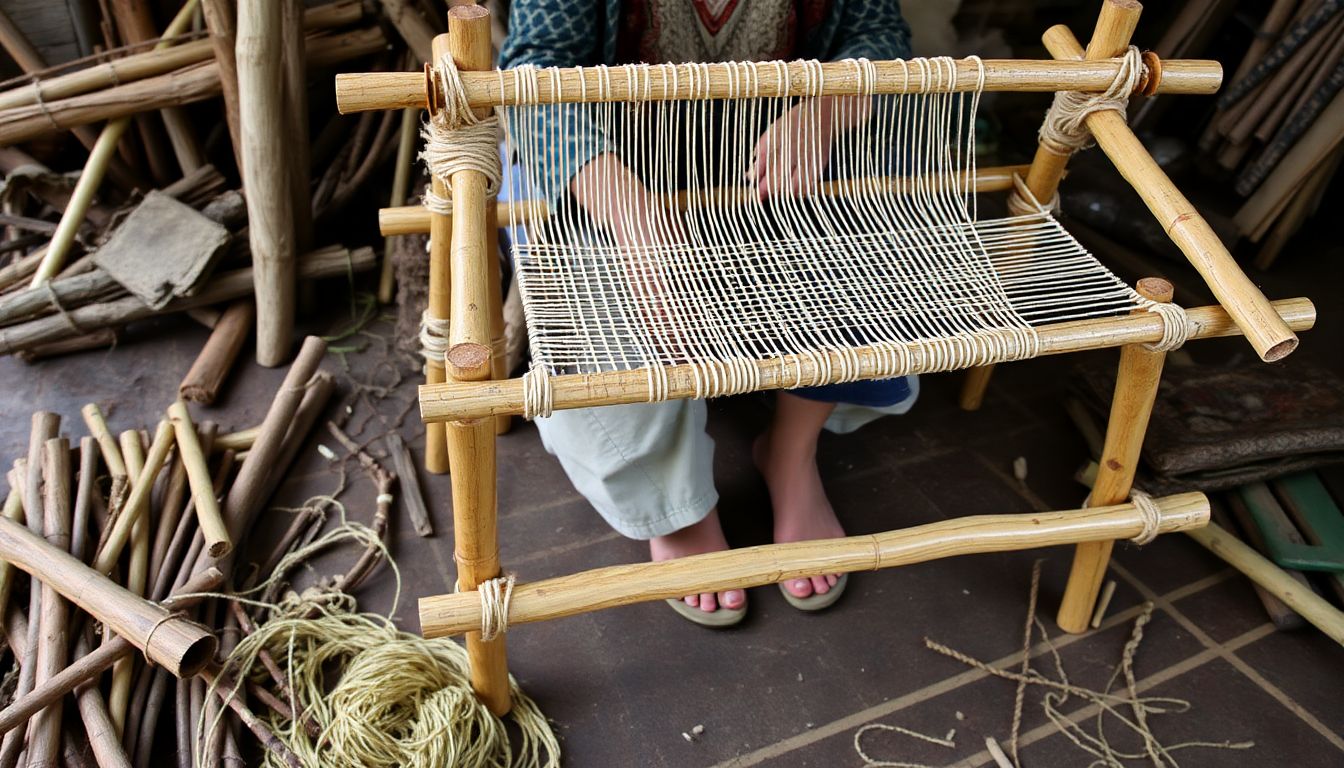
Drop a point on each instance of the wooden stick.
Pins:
(269, 205)
(44, 735)
(13, 510)
(1135, 392)
(1266, 332)
(212, 365)
(217, 541)
(226, 689)
(237, 441)
(112, 459)
(91, 178)
(617, 585)
(415, 219)
(474, 400)
(361, 92)
(411, 497)
(248, 491)
(185, 537)
(222, 19)
(137, 568)
(103, 741)
(471, 444)
(69, 292)
(1273, 579)
(137, 503)
(92, 663)
(412, 27)
(172, 504)
(331, 261)
(296, 124)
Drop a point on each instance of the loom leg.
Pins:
(1136, 386)
(439, 306)
(973, 387)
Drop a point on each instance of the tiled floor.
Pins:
(790, 689)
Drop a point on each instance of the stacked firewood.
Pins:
(161, 107)
(129, 541)
(1280, 120)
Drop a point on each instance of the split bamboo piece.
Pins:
(137, 503)
(415, 219)
(472, 400)
(176, 644)
(265, 177)
(212, 365)
(1267, 333)
(471, 444)
(92, 175)
(362, 92)
(439, 303)
(1136, 386)
(618, 585)
(217, 541)
(1273, 579)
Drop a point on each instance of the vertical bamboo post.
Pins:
(258, 54)
(499, 359)
(471, 444)
(1135, 391)
(1115, 25)
(296, 101)
(439, 303)
(44, 743)
(222, 22)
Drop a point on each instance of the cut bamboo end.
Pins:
(362, 92)
(613, 586)
(458, 401)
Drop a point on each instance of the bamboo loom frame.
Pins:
(467, 402)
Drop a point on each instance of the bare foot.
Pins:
(802, 511)
(704, 536)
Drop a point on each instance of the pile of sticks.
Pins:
(1280, 121)
(245, 73)
(128, 538)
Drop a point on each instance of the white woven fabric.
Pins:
(880, 249)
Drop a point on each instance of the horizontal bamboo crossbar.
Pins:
(414, 219)
(361, 92)
(470, 400)
(618, 585)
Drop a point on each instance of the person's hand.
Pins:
(792, 154)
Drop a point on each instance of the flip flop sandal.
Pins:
(815, 602)
(719, 618)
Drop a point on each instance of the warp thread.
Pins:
(1065, 128)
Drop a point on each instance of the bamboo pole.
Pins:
(1273, 579)
(1136, 386)
(1110, 37)
(221, 18)
(179, 645)
(217, 541)
(471, 444)
(88, 666)
(1266, 332)
(362, 92)
(296, 123)
(439, 303)
(259, 50)
(92, 175)
(137, 26)
(618, 585)
(44, 735)
(401, 182)
(415, 219)
(476, 399)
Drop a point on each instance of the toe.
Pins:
(820, 585)
(799, 587)
(832, 579)
(692, 600)
(708, 604)
(733, 599)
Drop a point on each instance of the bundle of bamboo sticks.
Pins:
(157, 105)
(1279, 125)
(131, 530)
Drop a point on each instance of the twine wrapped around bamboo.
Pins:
(180, 646)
